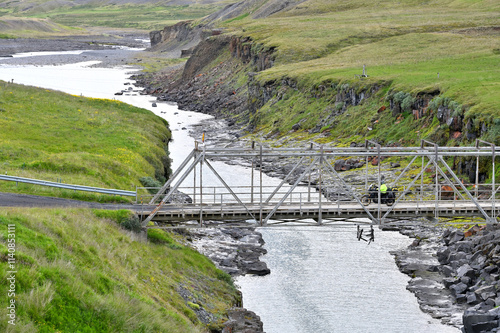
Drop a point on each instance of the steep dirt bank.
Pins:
(214, 79)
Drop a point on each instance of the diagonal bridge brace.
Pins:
(420, 174)
(346, 186)
(174, 188)
(171, 179)
(486, 216)
(273, 211)
(229, 188)
(199, 159)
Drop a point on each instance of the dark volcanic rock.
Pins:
(242, 321)
(431, 287)
(472, 263)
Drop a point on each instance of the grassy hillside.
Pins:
(407, 43)
(77, 271)
(14, 27)
(96, 142)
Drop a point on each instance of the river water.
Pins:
(322, 278)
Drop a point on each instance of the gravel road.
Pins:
(24, 200)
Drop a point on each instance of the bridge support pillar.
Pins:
(319, 220)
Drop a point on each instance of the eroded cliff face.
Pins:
(214, 79)
(179, 38)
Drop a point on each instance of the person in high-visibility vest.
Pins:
(383, 187)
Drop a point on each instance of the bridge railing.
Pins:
(303, 195)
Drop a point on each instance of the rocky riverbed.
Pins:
(455, 274)
(236, 251)
(112, 48)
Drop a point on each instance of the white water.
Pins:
(322, 280)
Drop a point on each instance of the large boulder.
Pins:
(479, 322)
(242, 321)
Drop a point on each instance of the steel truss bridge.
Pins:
(427, 187)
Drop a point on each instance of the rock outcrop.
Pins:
(178, 39)
(242, 321)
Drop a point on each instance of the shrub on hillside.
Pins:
(407, 103)
(150, 182)
(161, 237)
(132, 223)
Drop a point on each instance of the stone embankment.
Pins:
(455, 275)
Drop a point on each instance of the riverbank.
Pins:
(242, 246)
(81, 269)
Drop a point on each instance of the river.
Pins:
(322, 278)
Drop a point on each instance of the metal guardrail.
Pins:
(68, 186)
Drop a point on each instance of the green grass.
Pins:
(77, 271)
(154, 63)
(59, 137)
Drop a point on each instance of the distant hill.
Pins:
(29, 6)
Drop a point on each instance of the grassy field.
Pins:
(78, 271)
(144, 17)
(404, 45)
(96, 142)
(137, 16)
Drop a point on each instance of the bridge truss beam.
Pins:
(283, 202)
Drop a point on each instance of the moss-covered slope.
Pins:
(432, 66)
